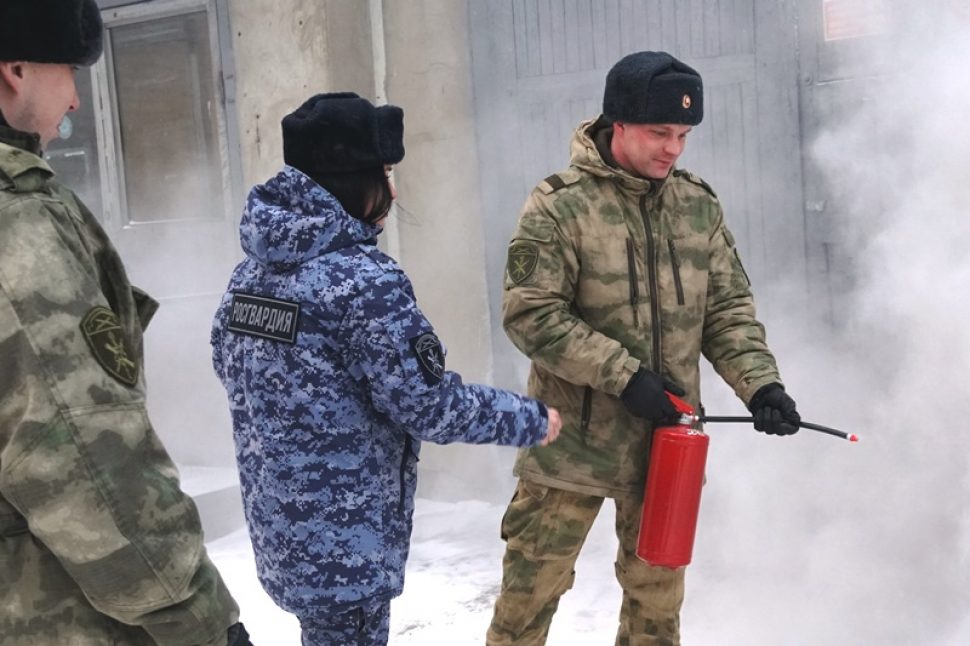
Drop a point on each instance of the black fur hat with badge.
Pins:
(65, 32)
(341, 132)
(653, 87)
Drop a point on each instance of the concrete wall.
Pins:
(284, 57)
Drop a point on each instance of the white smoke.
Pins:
(823, 542)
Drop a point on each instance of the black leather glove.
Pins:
(237, 636)
(644, 396)
(774, 411)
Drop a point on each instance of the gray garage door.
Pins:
(539, 66)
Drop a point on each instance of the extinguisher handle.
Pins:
(682, 407)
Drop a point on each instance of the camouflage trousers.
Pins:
(544, 529)
(364, 625)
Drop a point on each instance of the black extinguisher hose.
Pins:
(815, 427)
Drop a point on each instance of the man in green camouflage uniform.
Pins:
(620, 275)
(98, 545)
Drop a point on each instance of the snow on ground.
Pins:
(770, 568)
(453, 576)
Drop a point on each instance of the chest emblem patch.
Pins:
(431, 357)
(523, 258)
(104, 336)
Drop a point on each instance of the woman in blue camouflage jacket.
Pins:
(335, 376)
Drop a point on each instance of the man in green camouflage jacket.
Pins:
(98, 544)
(620, 275)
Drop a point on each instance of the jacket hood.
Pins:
(291, 220)
(584, 154)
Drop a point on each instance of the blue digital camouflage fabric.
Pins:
(365, 625)
(334, 376)
(98, 544)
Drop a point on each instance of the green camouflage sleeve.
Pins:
(539, 315)
(80, 460)
(734, 340)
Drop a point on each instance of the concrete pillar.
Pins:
(285, 55)
(428, 54)
(429, 75)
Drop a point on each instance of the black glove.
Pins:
(644, 396)
(237, 636)
(774, 411)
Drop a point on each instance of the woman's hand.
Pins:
(552, 430)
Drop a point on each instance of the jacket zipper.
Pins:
(654, 296)
(675, 263)
(634, 281)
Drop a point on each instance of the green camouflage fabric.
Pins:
(545, 528)
(98, 544)
(608, 272)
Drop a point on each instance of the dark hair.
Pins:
(365, 195)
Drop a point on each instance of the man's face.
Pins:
(648, 150)
(44, 94)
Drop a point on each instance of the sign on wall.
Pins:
(845, 19)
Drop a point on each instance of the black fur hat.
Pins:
(342, 133)
(653, 87)
(50, 31)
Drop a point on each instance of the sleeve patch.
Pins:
(431, 357)
(523, 258)
(103, 333)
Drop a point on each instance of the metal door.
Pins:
(848, 53)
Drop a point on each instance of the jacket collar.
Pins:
(24, 140)
(21, 163)
(591, 151)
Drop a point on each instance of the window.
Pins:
(167, 119)
(152, 144)
(74, 157)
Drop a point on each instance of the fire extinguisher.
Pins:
(672, 496)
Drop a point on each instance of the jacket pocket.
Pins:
(631, 259)
(409, 460)
(545, 523)
(12, 524)
(738, 265)
(145, 305)
(586, 412)
(105, 465)
(675, 266)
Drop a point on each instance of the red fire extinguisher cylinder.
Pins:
(672, 495)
